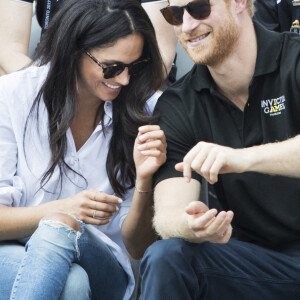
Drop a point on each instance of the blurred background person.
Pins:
(16, 21)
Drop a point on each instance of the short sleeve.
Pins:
(176, 124)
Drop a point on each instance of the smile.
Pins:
(112, 86)
(201, 37)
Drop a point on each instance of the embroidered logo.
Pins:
(273, 107)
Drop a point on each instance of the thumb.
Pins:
(196, 207)
(179, 167)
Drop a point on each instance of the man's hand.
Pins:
(209, 160)
(207, 225)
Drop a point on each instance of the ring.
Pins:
(94, 214)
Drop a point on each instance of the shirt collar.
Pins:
(269, 49)
(107, 113)
(108, 109)
(269, 46)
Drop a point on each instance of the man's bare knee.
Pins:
(59, 219)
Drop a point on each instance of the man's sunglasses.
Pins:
(110, 71)
(199, 9)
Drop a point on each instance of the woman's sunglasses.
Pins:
(110, 71)
(199, 10)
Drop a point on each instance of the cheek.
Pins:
(91, 81)
(94, 79)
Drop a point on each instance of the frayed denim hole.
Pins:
(82, 225)
(60, 225)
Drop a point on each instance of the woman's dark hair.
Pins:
(82, 25)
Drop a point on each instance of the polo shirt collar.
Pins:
(269, 47)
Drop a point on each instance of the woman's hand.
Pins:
(150, 150)
(91, 206)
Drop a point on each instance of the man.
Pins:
(236, 111)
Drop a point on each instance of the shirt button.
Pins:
(248, 104)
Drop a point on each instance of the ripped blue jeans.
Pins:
(60, 263)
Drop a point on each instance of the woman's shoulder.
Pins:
(19, 89)
(24, 83)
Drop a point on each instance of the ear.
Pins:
(240, 6)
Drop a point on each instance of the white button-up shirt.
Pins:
(20, 174)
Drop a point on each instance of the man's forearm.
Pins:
(169, 225)
(282, 158)
(171, 197)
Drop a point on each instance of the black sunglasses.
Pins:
(110, 71)
(199, 10)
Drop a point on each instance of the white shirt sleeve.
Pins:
(10, 185)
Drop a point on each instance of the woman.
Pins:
(67, 173)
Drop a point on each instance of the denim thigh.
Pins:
(108, 279)
(175, 269)
(11, 256)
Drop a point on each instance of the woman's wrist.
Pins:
(143, 185)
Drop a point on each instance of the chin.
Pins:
(108, 96)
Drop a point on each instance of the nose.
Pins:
(189, 23)
(123, 78)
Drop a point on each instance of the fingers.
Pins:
(206, 159)
(197, 224)
(220, 225)
(100, 196)
(226, 236)
(94, 213)
(179, 167)
(209, 226)
(151, 141)
(187, 163)
(158, 145)
(196, 207)
(220, 230)
(147, 128)
(95, 221)
(102, 205)
(215, 171)
(151, 132)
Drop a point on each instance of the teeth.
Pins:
(199, 38)
(112, 86)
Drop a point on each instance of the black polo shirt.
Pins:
(267, 208)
